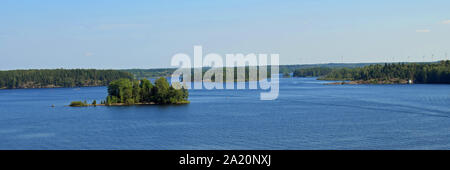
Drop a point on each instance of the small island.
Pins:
(140, 92)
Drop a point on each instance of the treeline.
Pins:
(225, 71)
(49, 78)
(126, 91)
(151, 73)
(416, 72)
(284, 69)
(292, 68)
(312, 72)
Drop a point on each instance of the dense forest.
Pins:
(126, 91)
(49, 78)
(384, 73)
(400, 72)
(151, 73)
(312, 72)
(226, 70)
(292, 68)
(285, 69)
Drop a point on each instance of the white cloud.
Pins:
(446, 22)
(423, 31)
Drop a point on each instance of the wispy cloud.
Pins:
(423, 31)
(446, 22)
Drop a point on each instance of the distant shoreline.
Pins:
(56, 87)
(61, 87)
(399, 73)
(372, 81)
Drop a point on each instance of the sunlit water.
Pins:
(307, 115)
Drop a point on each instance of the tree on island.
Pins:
(146, 88)
(125, 91)
(78, 104)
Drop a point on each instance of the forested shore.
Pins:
(394, 73)
(285, 69)
(52, 78)
(359, 73)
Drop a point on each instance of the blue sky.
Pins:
(146, 34)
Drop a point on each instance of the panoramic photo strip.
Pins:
(224, 83)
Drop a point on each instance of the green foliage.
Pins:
(59, 78)
(136, 92)
(150, 73)
(133, 92)
(418, 73)
(312, 72)
(78, 104)
(161, 91)
(146, 90)
(48, 78)
(153, 73)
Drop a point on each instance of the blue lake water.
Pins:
(307, 115)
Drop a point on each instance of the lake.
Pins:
(306, 115)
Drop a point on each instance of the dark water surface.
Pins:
(307, 115)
